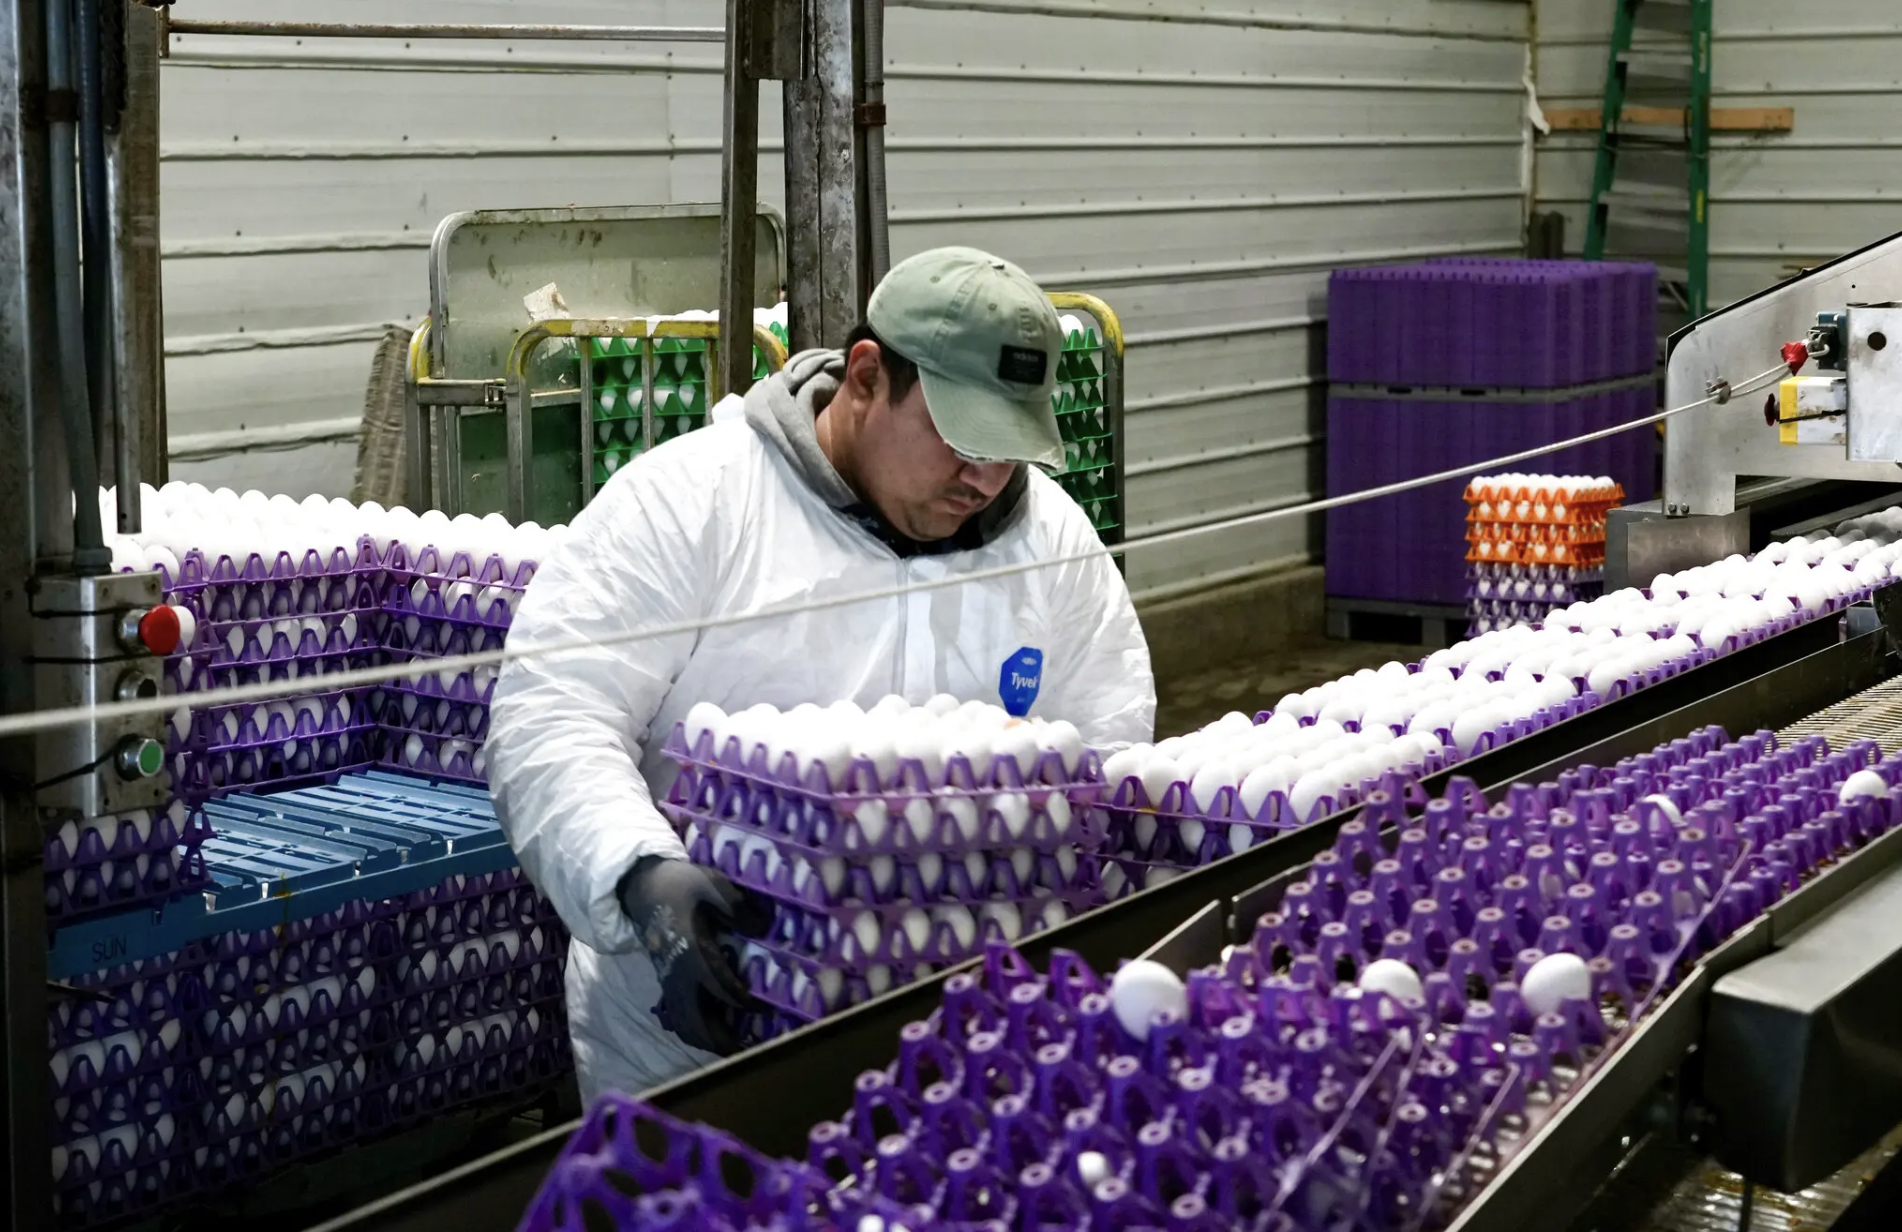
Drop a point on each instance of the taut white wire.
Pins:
(47, 720)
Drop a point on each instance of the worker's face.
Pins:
(921, 486)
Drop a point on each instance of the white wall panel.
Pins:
(1201, 166)
(1779, 202)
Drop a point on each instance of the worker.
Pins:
(909, 457)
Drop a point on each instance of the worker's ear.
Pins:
(863, 369)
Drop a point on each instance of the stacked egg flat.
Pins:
(889, 841)
(1537, 542)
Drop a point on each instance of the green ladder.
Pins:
(1650, 120)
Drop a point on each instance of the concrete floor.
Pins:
(1188, 701)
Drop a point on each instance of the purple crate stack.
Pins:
(106, 864)
(876, 880)
(204, 1067)
(264, 620)
(1453, 362)
(439, 605)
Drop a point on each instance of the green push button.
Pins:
(140, 758)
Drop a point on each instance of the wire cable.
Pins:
(47, 720)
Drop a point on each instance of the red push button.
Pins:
(159, 629)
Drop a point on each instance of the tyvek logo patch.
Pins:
(1018, 683)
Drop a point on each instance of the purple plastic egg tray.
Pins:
(1244, 1112)
(1286, 1097)
(110, 863)
(202, 1067)
(288, 1009)
(1148, 841)
(1579, 331)
(910, 810)
(876, 879)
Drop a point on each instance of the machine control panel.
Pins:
(99, 640)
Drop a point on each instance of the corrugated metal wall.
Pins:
(1780, 202)
(1201, 169)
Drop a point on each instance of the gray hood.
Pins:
(784, 408)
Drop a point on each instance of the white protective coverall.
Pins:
(734, 517)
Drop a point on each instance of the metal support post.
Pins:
(1697, 255)
(29, 395)
(739, 197)
(870, 121)
(137, 301)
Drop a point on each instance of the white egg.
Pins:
(941, 704)
(1471, 725)
(919, 816)
(1158, 773)
(921, 743)
(1092, 1168)
(1862, 783)
(1553, 980)
(1276, 776)
(1143, 989)
(874, 818)
(1013, 807)
(1392, 977)
(703, 717)
(1016, 746)
(1308, 790)
(1063, 739)
(1125, 764)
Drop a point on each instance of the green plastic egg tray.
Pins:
(1083, 419)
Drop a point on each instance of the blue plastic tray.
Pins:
(279, 858)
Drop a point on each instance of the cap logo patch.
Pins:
(1022, 365)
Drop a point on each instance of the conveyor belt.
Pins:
(1769, 685)
(1666, 1185)
(1873, 714)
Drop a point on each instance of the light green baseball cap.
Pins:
(986, 341)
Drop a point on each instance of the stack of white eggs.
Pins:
(845, 816)
(181, 518)
(892, 733)
(419, 569)
(1319, 750)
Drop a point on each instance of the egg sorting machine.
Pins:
(1838, 419)
(1776, 1053)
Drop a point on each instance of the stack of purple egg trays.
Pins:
(104, 864)
(1445, 364)
(1498, 596)
(274, 620)
(202, 1068)
(1248, 1112)
(1152, 841)
(439, 605)
(1287, 1098)
(942, 872)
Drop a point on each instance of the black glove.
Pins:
(680, 908)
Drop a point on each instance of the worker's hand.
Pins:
(679, 909)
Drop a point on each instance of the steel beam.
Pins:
(137, 300)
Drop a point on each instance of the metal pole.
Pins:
(321, 29)
(62, 109)
(805, 284)
(739, 204)
(138, 315)
(871, 125)
(29, 395)
(838, 186)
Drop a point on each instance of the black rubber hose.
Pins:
(89, 549)
(95, 232)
